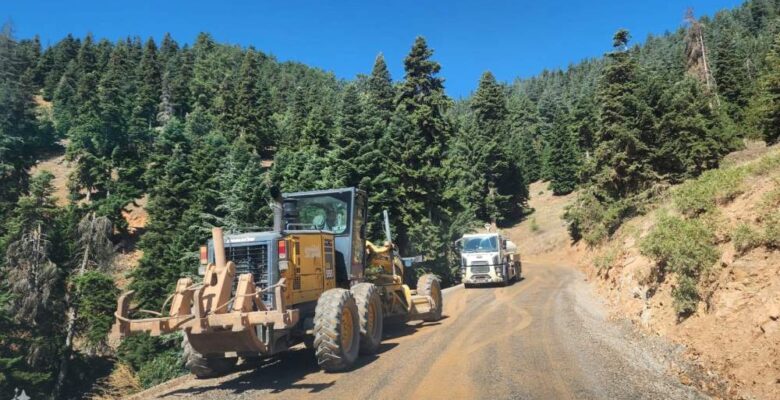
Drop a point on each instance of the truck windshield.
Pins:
(480, 244)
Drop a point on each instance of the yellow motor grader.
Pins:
(313, 279)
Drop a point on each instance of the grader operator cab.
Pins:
(313, 279)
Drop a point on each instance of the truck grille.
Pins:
(254, 260)
(480, 269)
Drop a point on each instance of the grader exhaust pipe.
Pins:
(219, 247)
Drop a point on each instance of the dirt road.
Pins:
(546, 337)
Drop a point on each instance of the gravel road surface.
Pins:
(545, 337)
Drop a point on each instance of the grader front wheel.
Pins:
(369, 306)
(203, 367)
(336, 330)
(430, 285)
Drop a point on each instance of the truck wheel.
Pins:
(369, 306)
(203, 367)
(430, 285)
(519, 271)
(336, 330)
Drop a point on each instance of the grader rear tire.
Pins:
(336, 330)
(430, 285)
(369, 306)
(203, 367)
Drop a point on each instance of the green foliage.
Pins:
(21, 134)
(685, 295)
(155, 359)
(488, 182)
(96, 302)
(606, 259)
(730, 73)
(621, 160)
(563, 158)
(163, 367)
(745, 238)
(534, 225)
(418, 133)
(691, 138)
(594, 221)
(770, 96)
(688, 259)
(772, 230)
(691, 256)
(523, 120)
(714, 187)
(31, 306)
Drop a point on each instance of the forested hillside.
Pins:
(189, 126)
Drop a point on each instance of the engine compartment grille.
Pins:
(251, 259)
(480, 269)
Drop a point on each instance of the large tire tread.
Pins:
(327, 330)
(430, 285)
(367, 295)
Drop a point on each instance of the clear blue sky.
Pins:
(509, 38)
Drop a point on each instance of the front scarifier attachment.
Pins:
(204, 312)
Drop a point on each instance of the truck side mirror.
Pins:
(457, 245)
(503, 245)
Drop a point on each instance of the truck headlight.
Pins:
(499, 270)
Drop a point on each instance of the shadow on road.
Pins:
(287, 370)
(399, 330)
(275, 375)
(496, 285)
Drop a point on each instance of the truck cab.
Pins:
(488, 258)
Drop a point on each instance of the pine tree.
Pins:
(54, 62)
(419, 132)
(244, 192)
(34, 283)
(621, 158)
(376, 176)
(205, 80)
(86, 60)
(319, 128)
(253, 105)
(103, 50)
(692, 140)
(19, 129)
(499, 170)
(564, 157)
(64, 109)
(380, 90)
(523, 120)
(343, 170)
(161, 264)
(529, 159)
(730, 73)
(469, 185)
(149, 89)
(770, 98)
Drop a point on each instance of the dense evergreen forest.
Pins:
(207, 131)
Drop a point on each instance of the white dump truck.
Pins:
(488, 258)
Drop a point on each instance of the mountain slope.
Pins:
(734, 332)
